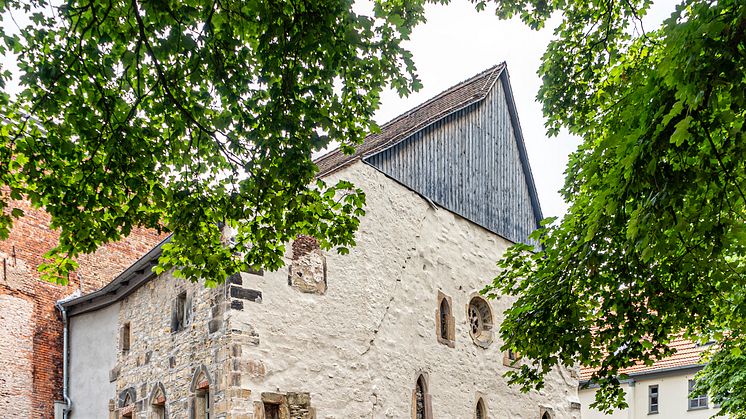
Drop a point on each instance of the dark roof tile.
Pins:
(451, 100)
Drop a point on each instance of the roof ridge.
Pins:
(445, 92)
(361, 150)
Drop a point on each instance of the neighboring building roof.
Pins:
(447, 102)
(687, 355)
(123, 285)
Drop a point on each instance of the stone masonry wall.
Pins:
(33, 378)
(182, 363)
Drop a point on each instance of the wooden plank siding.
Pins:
(471, 163)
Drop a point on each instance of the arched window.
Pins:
(158, 401)
(445, 324)
(481, 410)
(444, 312)
(480, 321)
(202, 404)
(421, 400)
(546, 416)
(127, 403)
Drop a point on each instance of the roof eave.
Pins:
(124, 284)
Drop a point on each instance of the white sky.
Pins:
(457, 42)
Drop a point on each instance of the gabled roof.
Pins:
(398, 129)
(454, 99)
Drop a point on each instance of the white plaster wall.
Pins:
(673, 392)
(93, 352)
(588, 396)
(359, 348)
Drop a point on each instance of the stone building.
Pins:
(394, 329)
(30, 325)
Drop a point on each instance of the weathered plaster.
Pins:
(359, 348)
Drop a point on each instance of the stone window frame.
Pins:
(200, 389)
(422, 381)
(125, 337)
(512, 359)
(126, 403)
(480, 406)
(546, 412)
(157, 401)
(180, 311)
(280, 400)
(485, 336)
(450, 338)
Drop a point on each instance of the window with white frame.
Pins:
(653, 399)
(696, 402)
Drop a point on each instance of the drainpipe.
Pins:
(68, 403)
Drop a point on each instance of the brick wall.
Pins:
(33, 378)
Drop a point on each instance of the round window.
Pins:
(480, 321)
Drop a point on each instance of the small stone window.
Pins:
(202, 404)
(125, 338)
(421, 402)
(445, 324)
(180, 313)
(480, 411)
(275, 406)
(511, 358)
(479, 314)
(546, 413)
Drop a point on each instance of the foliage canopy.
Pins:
(185, 115)
(188, 115)
(652, 247)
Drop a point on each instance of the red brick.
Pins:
(20, 256)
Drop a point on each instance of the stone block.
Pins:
(246, 294)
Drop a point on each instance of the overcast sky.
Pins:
(458, 42)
